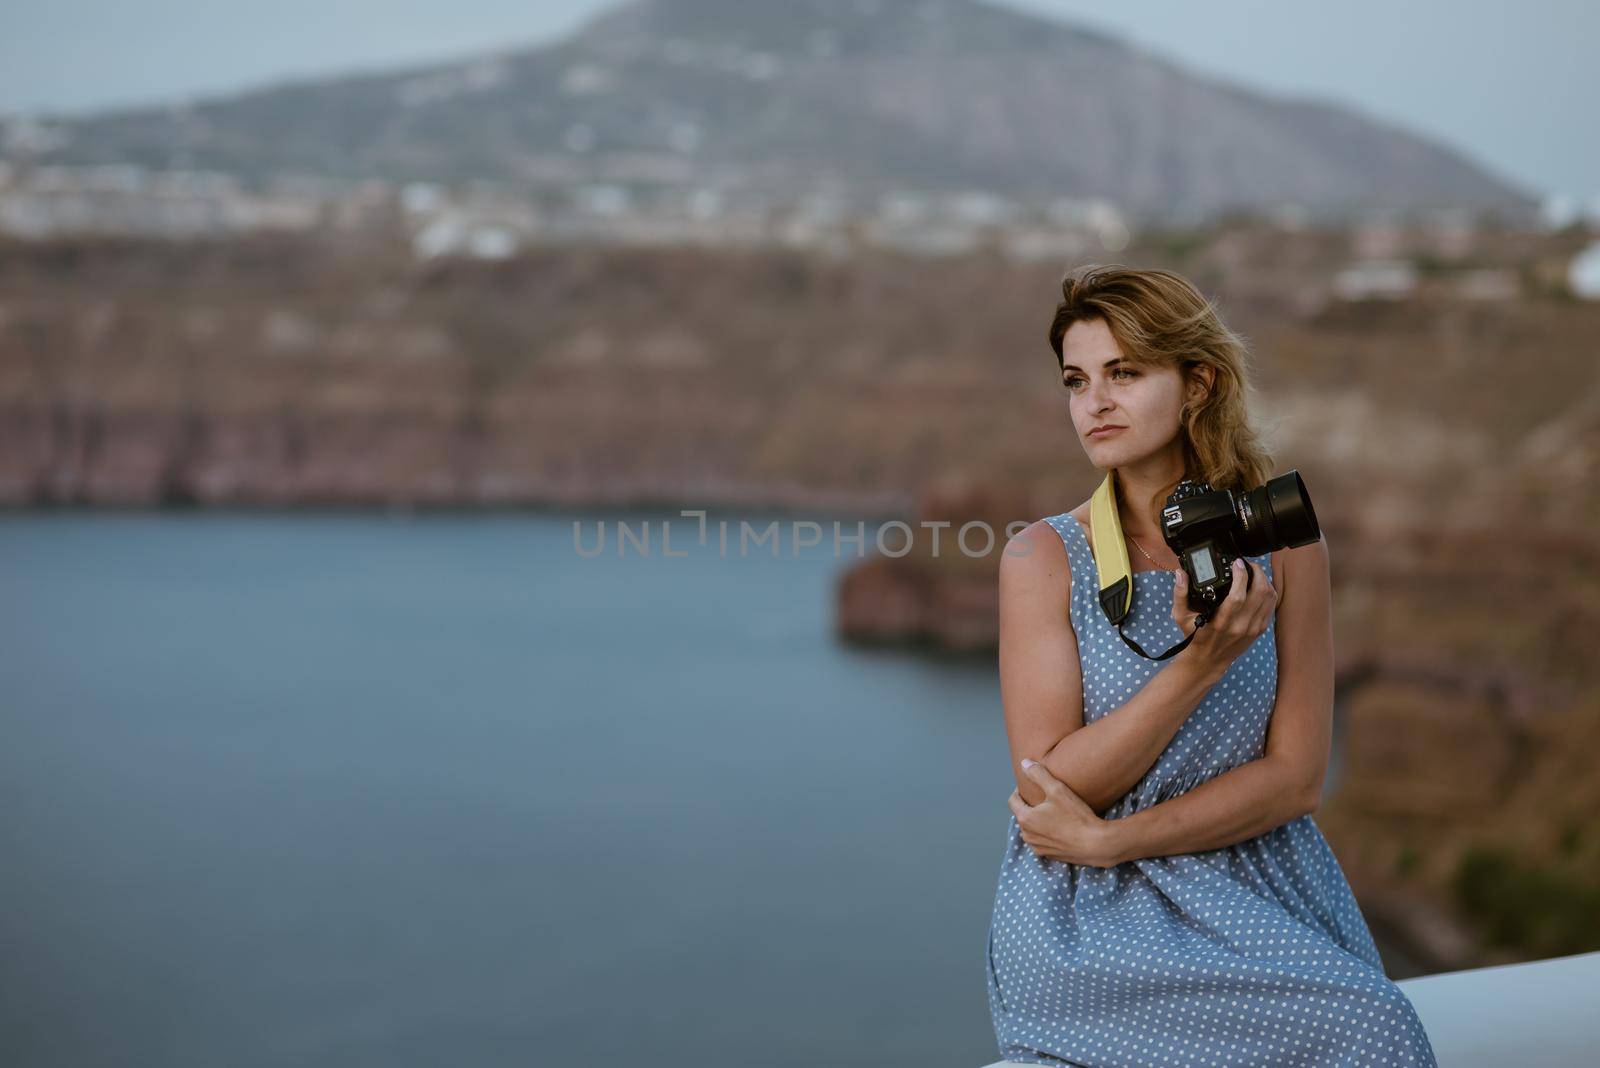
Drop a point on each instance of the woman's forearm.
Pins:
(1240, 803)
(1103, 760)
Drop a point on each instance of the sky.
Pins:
(1510, 84)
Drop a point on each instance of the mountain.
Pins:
(767, 100)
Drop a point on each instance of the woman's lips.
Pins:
(1107, 430)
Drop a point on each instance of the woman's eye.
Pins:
(1072, 382)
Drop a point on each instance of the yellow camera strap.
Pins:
(1115, 574)
(1111, 552)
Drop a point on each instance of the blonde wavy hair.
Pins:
(1159, 318)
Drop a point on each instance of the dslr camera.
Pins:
(1209, 528)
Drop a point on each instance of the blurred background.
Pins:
(356, 363)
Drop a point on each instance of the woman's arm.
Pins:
(1041, 685)
(1241, 803)
(1286, 782)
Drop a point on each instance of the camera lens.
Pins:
(1276, 515)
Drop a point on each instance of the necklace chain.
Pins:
(1146, 555)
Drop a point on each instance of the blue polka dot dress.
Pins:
(1253, 954)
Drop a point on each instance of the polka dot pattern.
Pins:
(1253, 954)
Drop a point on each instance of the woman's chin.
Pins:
(1108, 455)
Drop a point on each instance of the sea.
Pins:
(425, 788)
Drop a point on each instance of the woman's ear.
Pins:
(1201, 378)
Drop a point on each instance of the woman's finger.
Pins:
(1040, 774)
(1018, 806)
(1268, 595)
(1182, 614)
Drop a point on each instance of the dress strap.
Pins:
(1072, 537)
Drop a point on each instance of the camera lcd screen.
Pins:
(1204, 568)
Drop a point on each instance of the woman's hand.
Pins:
(1063, 826)
(1241, 618)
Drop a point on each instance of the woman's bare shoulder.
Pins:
(1309, 563)
(1038, 543)
(1038, 552)
(1035, 580)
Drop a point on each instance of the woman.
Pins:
(1165, 897)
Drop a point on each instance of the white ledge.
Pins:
(1538, 1014)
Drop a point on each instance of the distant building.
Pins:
(1031, 246)
(43, 202)
(1449, 233)
(1488, 283)
(1376, 280)
(123, 198)
(1377, 236)
(1583, 275)
(453, 235)
(1560, 211)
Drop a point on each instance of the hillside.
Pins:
(771, 101)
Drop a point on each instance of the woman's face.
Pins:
(1103, 389)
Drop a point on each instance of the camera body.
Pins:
(1208, 529)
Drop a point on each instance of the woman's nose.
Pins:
(1098, 398)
